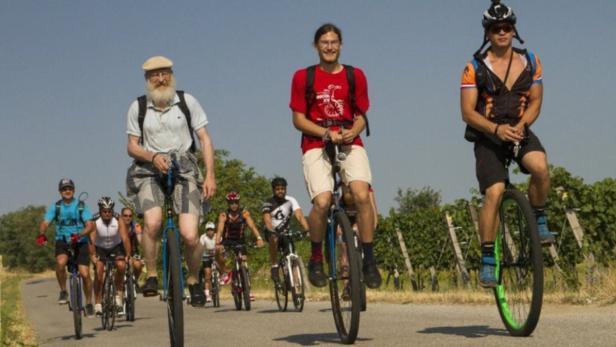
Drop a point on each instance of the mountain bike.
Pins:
(110, 309)
(130, 292)
(214, 285)
(240, 278)
(75, 284)
(519, 259)
(346, 303)
(173, 281)
(289, 265)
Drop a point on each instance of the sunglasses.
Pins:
(65, 189)
(506, 28)
(231, 202)
(127, 215)
(106, 211)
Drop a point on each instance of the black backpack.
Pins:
(350, 76)
(80, 208)
(142, 101)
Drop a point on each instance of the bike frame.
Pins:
(75, 277)
(286, 238)
(331, 226)
(169, 228)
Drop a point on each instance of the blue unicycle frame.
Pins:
(169, 227)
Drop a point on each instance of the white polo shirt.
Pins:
(166, 131)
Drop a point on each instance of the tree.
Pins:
(411, 200)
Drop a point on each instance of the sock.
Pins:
(368, 253)
(487, 249)
(539, 210)
(317, 251)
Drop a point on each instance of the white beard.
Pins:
(162, 95)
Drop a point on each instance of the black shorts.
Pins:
(83, 254)
(104, 253)
(490, 160)
(207, 261)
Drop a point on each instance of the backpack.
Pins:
(80, 208)
(482, 76)
(350, 76)
(142, 101)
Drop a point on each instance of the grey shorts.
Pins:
(144, 188)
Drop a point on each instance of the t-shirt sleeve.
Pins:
(198, 118)
(132, 120)
(468, 77)
(361, 91)
(87, 214)
(50, 214)
(294, 204)
(202, 240)
(267, 207)
(538, 75)
(298, 92)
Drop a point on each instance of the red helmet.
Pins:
(233, 196)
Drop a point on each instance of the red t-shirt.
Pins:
(332, 100)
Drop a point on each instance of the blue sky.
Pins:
(71, 68)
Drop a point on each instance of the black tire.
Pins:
(107, 302)
(346, 312)
(280, 289)
(236, 290)
(175, 310)
(519, 269)
(297, 289)
(76, 305)
(130, 295)
(215, 290)
(245, 276)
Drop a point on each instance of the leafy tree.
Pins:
(410, 200)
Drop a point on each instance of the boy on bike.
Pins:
(134, 235)
(501, 95)
(208, 242)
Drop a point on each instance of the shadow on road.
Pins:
(314, 339)
(470, 331)
(271, 311)
(29, 283)
(68, 337)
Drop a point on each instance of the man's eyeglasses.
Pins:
(106, 211)
(506, 28)
(127, 215)
(162, 74)
(67, 189)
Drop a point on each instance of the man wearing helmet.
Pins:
(109, 236)
(501, 95)
(277, 212)
(135, 237)
(160, 126)
(231, 226)
(71, 216)
(208, 242)
(333, 111)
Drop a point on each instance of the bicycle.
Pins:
(173, 282)
(289, 264)
(519, 259)
(110, 309)
(214, 285)
(240, 278)
(346, 303)
(130, 292)
(75, 284)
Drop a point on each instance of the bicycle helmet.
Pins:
(210, 225)
(498, 13)
(105, 203)
(279, 181)
(233, 196)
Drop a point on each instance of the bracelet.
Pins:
(259, 238)
(154, 157)
(496, 129)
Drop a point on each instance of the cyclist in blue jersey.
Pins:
(70, 217)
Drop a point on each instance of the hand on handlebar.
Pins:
(335, 137)
(348, 135)
(41, 240)
(161, 162)
(74, 238)
(509, 133)
(259, 243)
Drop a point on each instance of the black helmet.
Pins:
(498, 13)
(279, 181)
(66, 182)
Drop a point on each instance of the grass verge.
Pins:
(14, 327)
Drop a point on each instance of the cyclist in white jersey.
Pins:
(109, 236)
(277, 212)
(208, 241)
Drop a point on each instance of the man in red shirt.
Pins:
(332, 116)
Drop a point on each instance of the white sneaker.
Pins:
(119, 300)
(98, 310)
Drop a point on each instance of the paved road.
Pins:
(381, 325)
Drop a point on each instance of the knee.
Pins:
(152, 225)
(362, 198)
(321, 204)
(494, 193)
(191, 240)
(121, 265)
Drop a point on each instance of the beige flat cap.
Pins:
(157, 62)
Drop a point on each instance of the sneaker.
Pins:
(274, 272)
(487, 274)
(545, 236)
(252, 297)
(63, 298)
(197, 297)
(98, 309)
(315, 273)
(89, 310)
(372, 277)
(346, 293)
(225, 278)
(208, 297)
(150, 288)
(119, 301)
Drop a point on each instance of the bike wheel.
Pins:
(236, 290)
(215, 288)
(175, 310)
(76, 305)
(130, 296)
(280, 289)
(297, 290)
(108, 302)
(346, 309)
(519, 265)
(245, 276)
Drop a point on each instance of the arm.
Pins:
(92, 246)
(308, 127)
(222, 218)
(530, 115)
(207, 149)
(468, 102)
(267, 221)
(123, 230)
(301, 219)
(359, 124)
(140, 154)
(253, 228)
(374, 209)
(43, 227)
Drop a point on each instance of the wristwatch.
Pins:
(326, 136)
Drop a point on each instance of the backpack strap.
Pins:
(530, 56)
(350, 75)
(309, 91)
(80, 207)
(57, 215)
(143, 107)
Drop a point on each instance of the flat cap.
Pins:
(157, 62)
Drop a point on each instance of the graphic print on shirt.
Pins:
(326, 99)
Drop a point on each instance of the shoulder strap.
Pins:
(143, 107)
(184, 108)
(57, 216)
(309, 91)
(530, 56)
(80, 207)
(350, 75)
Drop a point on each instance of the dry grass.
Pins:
(15, 329)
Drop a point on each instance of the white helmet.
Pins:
(210, 225)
